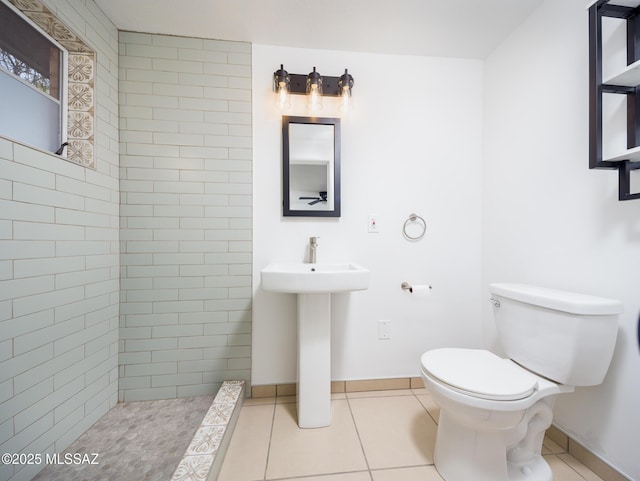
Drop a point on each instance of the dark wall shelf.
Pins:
(625, 82)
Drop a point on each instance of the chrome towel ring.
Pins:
(414, 218)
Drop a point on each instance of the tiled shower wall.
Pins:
(185, 119)
(59, 271)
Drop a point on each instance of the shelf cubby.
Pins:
(625, 82)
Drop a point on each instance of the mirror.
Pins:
(311, 166)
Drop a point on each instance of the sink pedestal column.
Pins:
(314, 360)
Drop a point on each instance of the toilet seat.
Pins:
(479, 373)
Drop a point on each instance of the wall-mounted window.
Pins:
(75, 81)
(32, 90)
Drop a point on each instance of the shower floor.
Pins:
(142, 441)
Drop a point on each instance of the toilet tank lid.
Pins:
(565, 301)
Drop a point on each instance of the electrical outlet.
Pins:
(374, 227)
(384, 329)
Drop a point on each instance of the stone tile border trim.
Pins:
(81, 82)
(203, 458)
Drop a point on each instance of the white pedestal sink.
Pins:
(314, 284)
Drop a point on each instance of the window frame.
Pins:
(63, 101)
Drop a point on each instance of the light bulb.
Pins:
(315, 99)
(314, 91)
(283, 99)
(282, 87)
(346, 102)
(345, 84)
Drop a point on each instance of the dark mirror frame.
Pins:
(286, 167)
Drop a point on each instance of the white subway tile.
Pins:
(38, 231)
(40, 337)
(135, 382)
(202, 366)
(27, 249)
(152, 150)
(150, 51)
(6, 392)
(204, 246)
(234, 94)
(81, 278)
(126, 37)
(152, 295)
(26, 174)
(136, 112)
(81, 247)
(177, 355)
(178, 115)
(173, 41)
(26, 211)
(178, 307)
(18, 288)
(81, 188)
(147, 319)
(202, 56)
(181, 163)
(240, 58)
(71, 406)
(132, 345)
(6, 269)
(177, 331)
(206, 104)
(88, 306)
(230, 70)
(203, 317)
(150, 394)
(25, 362)
(6, 189)
(227, 46)
(159, 64)
(182, 379)
(6, 148)
(151, 369)
(204, 80)
(6, 231)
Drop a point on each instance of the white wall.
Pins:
(414, 147)
(549, 220)
(185, 117)
(59, 273)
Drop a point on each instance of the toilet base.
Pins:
(463, 454)
(536, 469)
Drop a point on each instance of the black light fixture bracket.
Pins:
(330, 85)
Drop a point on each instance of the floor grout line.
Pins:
(273, 422)
(355, 425)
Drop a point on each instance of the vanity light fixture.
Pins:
(314, 86)
(282, 88)
(345, 84)
(314, 91)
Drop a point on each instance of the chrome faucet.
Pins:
(313, 245)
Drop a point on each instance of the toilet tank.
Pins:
(566, 337)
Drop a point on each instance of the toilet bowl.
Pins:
(494, 411)
(493, 415)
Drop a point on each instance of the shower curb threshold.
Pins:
(203, 458)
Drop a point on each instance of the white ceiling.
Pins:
(448, 28)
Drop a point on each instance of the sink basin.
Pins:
(299, 278)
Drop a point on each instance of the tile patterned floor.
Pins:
(203, 457)
(141, 441)
(374, 436)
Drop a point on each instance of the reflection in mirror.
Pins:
(311, 166)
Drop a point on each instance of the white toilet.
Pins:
(494, 411)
